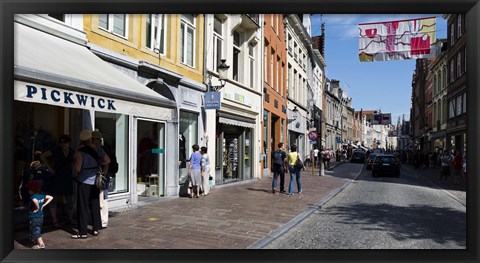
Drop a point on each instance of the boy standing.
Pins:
(37, 202)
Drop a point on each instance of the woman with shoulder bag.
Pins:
(87, 161)
(294, 170)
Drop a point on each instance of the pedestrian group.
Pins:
(67, 171)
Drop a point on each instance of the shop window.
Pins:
(155, 32)
(114, 129)
(150, 160)
(114, 23)
(187, 138)
(187, 39)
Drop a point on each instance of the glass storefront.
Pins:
(114, 129)
(150, 158)
(234, 152)
(188, 136)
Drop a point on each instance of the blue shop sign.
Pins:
(212, 100)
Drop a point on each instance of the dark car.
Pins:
(386, 164)
(370, 159)
(358, 157)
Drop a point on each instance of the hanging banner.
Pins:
(397, 40)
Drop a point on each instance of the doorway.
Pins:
(150, 174)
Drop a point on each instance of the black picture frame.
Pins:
(11, 7)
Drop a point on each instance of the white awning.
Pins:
(236, 120)
(55, 71)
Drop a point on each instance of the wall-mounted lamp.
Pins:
(294, 117)
(291, 120)
(222, 75)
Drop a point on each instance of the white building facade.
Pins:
(298, 42)
(232, 133)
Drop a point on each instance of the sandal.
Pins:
(39, 246)
(77, 236)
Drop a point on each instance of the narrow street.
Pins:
(382, 213)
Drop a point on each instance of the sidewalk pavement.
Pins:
(232, 216)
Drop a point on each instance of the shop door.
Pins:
(150, 158)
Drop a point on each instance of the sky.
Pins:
(385, 85)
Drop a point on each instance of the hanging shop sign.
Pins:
(212, 100)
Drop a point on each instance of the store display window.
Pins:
(114, 128)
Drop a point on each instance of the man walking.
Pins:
(446, 161)
(278, 168)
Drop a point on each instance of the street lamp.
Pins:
(222, 75)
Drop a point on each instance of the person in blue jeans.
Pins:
(37, 202)
(295, 173)
(278, 168)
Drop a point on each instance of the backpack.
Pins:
(278, 158)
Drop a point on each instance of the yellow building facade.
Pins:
(164, 52)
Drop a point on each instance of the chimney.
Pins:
(319, 42)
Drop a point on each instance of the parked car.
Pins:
(358, 157)
(386, 164)
(370, 159)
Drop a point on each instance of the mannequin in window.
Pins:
(182, 154)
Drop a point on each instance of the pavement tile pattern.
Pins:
(233, 216)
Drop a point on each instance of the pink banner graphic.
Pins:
(397, 40)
